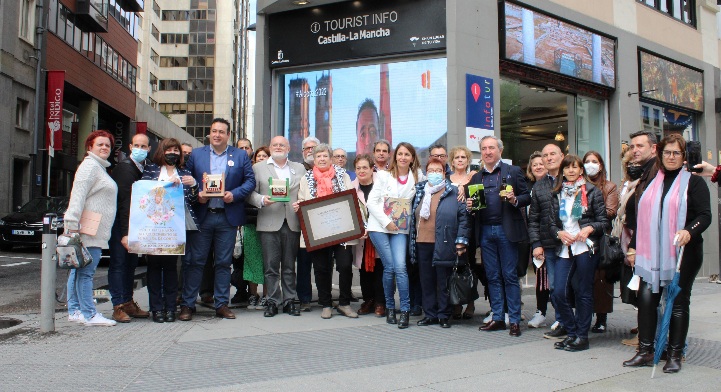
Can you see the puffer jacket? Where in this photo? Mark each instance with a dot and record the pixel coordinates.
(541, 215)
(595, 216)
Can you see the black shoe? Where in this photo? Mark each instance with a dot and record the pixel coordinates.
(579, 344)
(170, 316)
(558, 333)
(403, 321)
(444, 323)
(427, 321)
(643, 357)
(158, 317)
(673, 363)
(270, 310)
(599, 328)
(239, 298)
(563, 343)
(292, 308)
(416, 311)
(391, 316)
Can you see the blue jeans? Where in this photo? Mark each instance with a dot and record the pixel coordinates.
(80, 286)
(500, 257)
(302, 284)
(392, 249)
(216, 230)
(583, 266)
(551, 259)
(121, 270)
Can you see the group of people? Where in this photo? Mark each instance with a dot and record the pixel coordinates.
(560, 208)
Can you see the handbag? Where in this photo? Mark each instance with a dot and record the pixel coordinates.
(460, 285)
(611, 257)
(70, 252)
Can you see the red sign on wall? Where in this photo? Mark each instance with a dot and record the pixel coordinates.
(141, 127)
(54, 111)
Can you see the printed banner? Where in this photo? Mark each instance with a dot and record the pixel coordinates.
(54, 111)
(480, 119)
(157, 219)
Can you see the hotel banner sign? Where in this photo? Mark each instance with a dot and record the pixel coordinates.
(54, 112)
(351, 30)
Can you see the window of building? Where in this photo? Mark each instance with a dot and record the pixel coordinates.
(27, 20)
(170, 38)
(21, 113)
(155, 33)
(175, 15)
(683, 10)
(173, 61)
(153, 82)
(156, 8)
(154, 56)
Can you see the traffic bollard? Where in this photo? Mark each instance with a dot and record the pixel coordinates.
(47, 274)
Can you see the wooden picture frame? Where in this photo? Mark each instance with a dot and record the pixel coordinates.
(331, 220)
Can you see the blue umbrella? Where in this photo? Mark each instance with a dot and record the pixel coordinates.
(672, 291)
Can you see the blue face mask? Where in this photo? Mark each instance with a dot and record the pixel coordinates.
(435, 178)
(138, 154)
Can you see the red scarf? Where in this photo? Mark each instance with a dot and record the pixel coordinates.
(324, 181)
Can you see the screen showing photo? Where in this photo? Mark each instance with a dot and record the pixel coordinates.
(665, 81)
(351, 108)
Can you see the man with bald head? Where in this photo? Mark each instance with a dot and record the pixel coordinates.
(541, 217)
(121, 270)
(278, 227)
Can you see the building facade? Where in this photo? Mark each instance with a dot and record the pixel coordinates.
(189, 61)
(581, 74)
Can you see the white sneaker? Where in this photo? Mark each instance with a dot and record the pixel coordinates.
(99, 321)
(76, 317)
(488, 318)
(554, 326)
(538, 320)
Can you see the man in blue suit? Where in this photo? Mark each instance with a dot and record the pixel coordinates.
(499, 227)
(219, 217)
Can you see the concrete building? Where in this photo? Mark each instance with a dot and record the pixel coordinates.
(582, 74)
(189, 61)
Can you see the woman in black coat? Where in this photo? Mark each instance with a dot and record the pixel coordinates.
(580, 224)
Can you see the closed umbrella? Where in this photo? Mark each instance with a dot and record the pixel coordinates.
(672, 291)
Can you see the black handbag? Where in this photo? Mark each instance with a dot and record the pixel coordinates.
(460, 285)
(611, 252)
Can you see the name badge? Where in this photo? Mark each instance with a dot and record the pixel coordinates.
(231, 163)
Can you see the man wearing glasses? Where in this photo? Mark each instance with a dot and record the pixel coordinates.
(438, 151)
(340, 158)
(308, 144)
(303, 285)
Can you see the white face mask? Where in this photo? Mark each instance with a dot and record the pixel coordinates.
(592, 168)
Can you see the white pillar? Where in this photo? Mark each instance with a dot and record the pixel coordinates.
(529, 37)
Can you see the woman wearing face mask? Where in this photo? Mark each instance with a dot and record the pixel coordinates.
(162, 272)
(602, 290)
(580, 223)
(438, 235)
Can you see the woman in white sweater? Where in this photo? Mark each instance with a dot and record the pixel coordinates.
(93, 191)
(390, 242)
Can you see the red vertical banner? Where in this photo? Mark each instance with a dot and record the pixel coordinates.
(141, 127)
(54, 111)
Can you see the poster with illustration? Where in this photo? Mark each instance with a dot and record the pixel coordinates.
(157, 219)
(399, 210)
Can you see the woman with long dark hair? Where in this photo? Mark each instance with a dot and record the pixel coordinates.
(673, 211)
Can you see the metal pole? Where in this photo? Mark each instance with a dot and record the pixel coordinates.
(39, 30)
(47, 274)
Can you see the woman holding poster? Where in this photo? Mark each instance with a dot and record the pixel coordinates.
(398, 184)
(162, 272)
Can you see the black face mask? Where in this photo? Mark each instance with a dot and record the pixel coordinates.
(172, 158)
(635, 172)
(186, 157)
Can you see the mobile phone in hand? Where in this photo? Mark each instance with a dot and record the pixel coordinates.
(693, 156)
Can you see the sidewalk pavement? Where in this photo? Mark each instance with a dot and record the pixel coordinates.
(307, 353)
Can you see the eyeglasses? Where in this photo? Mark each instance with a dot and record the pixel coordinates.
(668, 153)
(439, 171)
(308, 148)
(439, 156)
(339, 156)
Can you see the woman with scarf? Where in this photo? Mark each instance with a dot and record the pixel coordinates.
(322, 180)
(536, 171)
(673, 211)
(595, 169)
(369, 265)
(580, 223)
(439, 236)
(162, 269)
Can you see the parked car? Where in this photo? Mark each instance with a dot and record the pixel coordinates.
(25, 226)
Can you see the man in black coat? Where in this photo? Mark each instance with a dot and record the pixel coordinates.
(499, 229)
(121, 271)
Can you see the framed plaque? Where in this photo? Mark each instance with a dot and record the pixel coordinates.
(213, 185)
(478, 195)
(278, 189)
(331, 220)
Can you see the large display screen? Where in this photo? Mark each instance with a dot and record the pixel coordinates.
(352, 107)
(666, 81)
(540, 40)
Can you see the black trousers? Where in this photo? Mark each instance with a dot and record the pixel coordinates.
(648, 303)
(372, 283)
(323, 269)
(162, 279)
(434, 281)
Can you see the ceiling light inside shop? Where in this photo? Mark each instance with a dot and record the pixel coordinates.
(301, 2)
(559, 136)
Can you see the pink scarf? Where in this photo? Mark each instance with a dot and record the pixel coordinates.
(324, 181)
